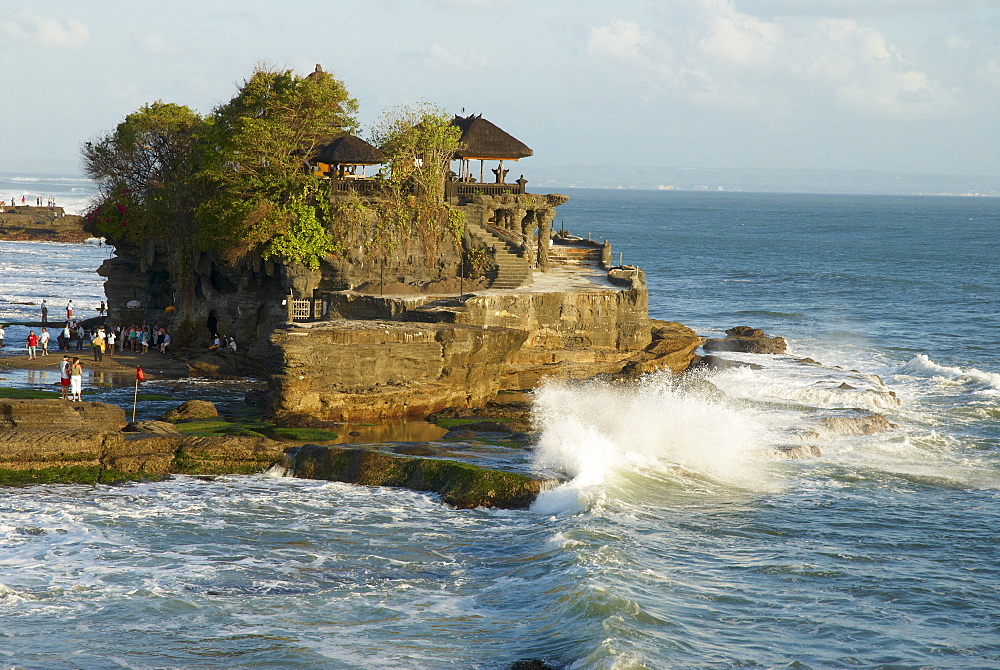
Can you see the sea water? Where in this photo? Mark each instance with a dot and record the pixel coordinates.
(677, 539)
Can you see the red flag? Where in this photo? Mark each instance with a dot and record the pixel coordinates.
(139, 376)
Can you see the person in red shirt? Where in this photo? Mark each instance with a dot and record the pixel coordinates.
(32, 343)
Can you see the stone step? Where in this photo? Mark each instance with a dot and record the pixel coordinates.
(512, 270)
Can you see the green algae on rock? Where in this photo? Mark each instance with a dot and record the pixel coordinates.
(461, 485)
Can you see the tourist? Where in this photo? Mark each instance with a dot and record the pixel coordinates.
(3, 336)
(64, 337)
(165, 342)
(111, 339)
(43, 341)
(64, 376)
(143, 340)
(102, 309)
(69, 311)
(45, 313)
(97, 345)
(76, 379)
(32, 343)
(80, 334)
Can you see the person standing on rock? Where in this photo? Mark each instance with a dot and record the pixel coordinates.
(65, 337)
(76, 379)
(32, 343)
(3, 336)
(80, 334)
(69, 311)
(43, 341)
(45, 313)
(97, 344)
(64, 376)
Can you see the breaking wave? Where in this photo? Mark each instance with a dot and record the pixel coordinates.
(922, 366)
(595, 433)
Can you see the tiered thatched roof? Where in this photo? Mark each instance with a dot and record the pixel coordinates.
(483, 140)
(349, 150)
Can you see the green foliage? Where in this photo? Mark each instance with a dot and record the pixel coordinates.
(419, 143)
(143, 171)
(27, 394)
(303, 434)
(476, 261)
(234, 182)
(258, 196)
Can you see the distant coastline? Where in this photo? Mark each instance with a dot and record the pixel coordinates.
(846, 182)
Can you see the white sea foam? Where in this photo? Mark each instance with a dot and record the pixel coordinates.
(922, 366)
(595, 432)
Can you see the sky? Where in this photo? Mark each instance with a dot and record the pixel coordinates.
(897, 85)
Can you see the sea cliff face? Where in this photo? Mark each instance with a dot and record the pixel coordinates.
(425, 355)
(351, 370)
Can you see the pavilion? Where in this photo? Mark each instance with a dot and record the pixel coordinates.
(341, 158)
(484, 141)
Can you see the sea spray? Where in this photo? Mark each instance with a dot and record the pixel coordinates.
(921, 366)
(596, 433)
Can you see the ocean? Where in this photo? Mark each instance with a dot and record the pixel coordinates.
(677, 539)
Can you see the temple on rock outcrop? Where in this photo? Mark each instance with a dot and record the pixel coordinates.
(390, 323)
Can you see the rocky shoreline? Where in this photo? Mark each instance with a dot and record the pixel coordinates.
(53, 441)
(41, 224)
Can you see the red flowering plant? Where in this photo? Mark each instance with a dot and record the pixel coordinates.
(111, 216)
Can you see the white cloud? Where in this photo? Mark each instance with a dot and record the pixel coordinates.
(155, 45)
(619, 39)
(472, 5)
(722, 57)
(29, 27)
(440, 56)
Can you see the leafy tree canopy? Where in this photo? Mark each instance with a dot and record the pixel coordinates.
(234, 181)
(143, 170)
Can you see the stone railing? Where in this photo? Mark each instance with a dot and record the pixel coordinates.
(463, 189)
(519, 240)
(361, 186)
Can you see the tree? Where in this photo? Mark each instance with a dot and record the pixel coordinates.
(258, 197)
(143, 170)
(420, 143)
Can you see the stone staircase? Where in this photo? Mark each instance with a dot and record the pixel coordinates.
(513, 270)
(573, 255)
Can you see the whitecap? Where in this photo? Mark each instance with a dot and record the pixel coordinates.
(922, 366)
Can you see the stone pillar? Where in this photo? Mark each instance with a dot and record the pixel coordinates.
(546, 216)
(517, 219)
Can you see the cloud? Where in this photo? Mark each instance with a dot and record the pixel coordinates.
(155, 45)
(619, 39)
(28, 27)
(718, 56)
(472, 5)
(438, 56)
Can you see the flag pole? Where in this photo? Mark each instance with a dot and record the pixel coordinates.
(139, 376)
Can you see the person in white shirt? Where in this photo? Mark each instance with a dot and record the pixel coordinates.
(43, 341)
(64, 377)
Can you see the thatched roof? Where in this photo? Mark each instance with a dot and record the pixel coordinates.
(349, 150)
(482, 139)
(317, 73)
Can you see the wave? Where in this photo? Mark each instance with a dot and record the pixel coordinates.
(597, 433)
(922, 366)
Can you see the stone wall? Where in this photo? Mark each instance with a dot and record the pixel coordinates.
(355, 370)
(424, 354)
